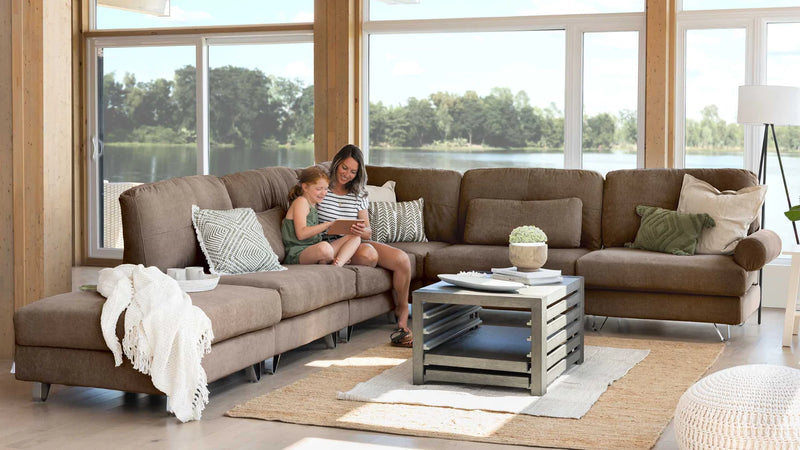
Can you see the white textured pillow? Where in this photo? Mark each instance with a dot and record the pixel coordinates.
(732, 211)
(397, 222)
(233, 241)
(383, 193)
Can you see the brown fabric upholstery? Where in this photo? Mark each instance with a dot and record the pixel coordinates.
(419, 251)
(302, 288)
(300, 330)
(626, 189)
(490, 221)
(628, 269)
(756, 250)
(270, 221)
(260, 189)
(72, 320)
(371, 280)
(538, 184)
(157, 220)
(668, 306)
(466, 257)
(439, 188)
(92, 368)
(365, 308)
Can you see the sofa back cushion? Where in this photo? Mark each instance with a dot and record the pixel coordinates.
(157, 220)
(624, 190)
(260, 189)
(489, 221)
(537, 184)
(439, 189)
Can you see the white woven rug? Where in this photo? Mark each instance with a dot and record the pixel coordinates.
(570, 396)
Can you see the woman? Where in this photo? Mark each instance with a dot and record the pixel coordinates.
(347, 199)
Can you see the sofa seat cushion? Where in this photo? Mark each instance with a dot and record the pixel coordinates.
(465, 257)
(72, 320)
(641, 270)
(420, 251)
(372, 280)
(302, 287)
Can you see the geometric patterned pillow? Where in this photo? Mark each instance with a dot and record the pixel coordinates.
(233, 241)
(667, 231)
(397, 222)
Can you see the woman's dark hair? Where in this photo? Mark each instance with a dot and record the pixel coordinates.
(358, 182)
(309, 175)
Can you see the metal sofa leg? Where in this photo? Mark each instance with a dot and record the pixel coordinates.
(345, 334)
(332, 339)
(40, 391)
(594, 324)
(254, 372)
(271, 364)
(723, 339)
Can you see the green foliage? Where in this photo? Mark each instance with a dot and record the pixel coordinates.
(527, 234)
(793, 213)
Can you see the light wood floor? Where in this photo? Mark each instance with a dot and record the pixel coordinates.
(82, 418)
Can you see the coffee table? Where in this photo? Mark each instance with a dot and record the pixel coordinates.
(453, 344)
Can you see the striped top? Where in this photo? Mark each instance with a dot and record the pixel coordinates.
(335, 206)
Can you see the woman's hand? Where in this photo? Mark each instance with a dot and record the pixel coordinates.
(357, 229)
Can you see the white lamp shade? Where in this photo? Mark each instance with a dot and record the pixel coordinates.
(777, 105)
(154, 7)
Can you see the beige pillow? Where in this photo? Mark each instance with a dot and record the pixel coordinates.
(489, 221)
(383, 193)
(732, 211)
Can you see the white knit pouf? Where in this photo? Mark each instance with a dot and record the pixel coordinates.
(753, 406)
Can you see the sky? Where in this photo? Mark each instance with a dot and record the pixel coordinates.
(416, 65)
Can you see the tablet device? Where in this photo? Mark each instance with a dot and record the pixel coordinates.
(342, 226)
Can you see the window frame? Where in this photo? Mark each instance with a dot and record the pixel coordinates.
(161, 37)
(574, 26)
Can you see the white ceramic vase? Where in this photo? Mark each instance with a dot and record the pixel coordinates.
(528, 256)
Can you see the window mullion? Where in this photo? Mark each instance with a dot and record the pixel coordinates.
(573, 98)
(201, 71)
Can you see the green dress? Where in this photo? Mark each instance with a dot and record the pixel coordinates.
(293, 245)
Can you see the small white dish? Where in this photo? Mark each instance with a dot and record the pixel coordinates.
(207, 283)
(481, 284)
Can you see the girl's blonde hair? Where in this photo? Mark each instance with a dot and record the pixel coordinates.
(309, 175)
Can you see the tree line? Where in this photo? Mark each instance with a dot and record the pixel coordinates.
(250, 109)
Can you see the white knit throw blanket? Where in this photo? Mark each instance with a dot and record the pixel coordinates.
(165, 335)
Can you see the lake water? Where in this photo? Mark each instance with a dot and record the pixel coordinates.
(153, 163)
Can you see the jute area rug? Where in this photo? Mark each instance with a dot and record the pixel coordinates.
(632, 413)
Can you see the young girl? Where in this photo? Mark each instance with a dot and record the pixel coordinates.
(301, 229)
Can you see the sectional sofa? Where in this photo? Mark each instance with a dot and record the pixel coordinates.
(256, 317)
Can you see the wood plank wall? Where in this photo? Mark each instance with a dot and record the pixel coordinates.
(6, 186)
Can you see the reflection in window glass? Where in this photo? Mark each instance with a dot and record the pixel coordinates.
(715, 68)
(194, 13)
(261, 106)
(689, 5)
(783, 65)
(450, 9)
(146, 123)
(478, 100)
(610, 96)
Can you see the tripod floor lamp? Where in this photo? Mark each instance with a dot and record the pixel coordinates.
(770, 106)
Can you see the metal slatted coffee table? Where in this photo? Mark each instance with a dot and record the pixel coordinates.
(452, 344)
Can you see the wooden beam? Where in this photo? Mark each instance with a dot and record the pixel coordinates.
(659, 80)
(41, 152)
(335, 24)
(6, 186)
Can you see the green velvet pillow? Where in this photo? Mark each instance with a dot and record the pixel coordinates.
(668, 231)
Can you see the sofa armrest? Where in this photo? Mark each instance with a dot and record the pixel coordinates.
(756, 250)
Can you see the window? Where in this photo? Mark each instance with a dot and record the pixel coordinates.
(716, 54)
(173, 104)
(500, 92)
(610, 100)
(194, 13)
(450, 9)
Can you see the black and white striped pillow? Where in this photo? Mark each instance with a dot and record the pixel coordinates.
(397, 222)
(233, 241)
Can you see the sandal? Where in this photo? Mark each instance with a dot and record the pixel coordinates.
(402, 338)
